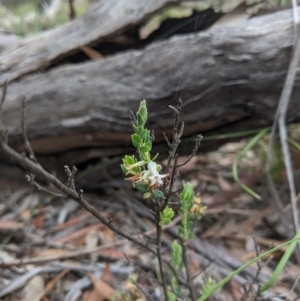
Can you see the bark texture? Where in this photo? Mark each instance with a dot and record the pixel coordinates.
(223, 76)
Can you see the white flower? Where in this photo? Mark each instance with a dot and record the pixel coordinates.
(153, 175)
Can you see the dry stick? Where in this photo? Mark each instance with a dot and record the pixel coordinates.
(43, 189)
(177, 115)
(281, 118)
(160, 208)
(198, 140)
(39, 171)
(256, 278)
(282, 110)
(61, 256)
(173, 156)
(159, 255)
(80, 252)
(168, 194)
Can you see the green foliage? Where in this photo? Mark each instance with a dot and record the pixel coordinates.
(208, 285)
(144, 173)
(141, 186)
(141, 138)
(166, 216)
(186, 196)
(186, 201)
(176, 255)
(293, 244)
(131, 165)
(249, 145)
(25, 19)
(157, 194)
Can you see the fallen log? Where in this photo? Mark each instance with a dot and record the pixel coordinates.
(103, 21)
(224, 76)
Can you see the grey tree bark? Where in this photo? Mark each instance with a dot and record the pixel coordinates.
(224, 76)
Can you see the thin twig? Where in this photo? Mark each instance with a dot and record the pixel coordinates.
(181, 130)
(280, 118)
(71, 176)
(168, 194)
(177, 190)
(282, 110)
(256, 278)
(198, 140)
(177, 115)
(158, 252)
(43, 174)
(43, 189)
(167, 140)
(80, 252)
(133, 117)
(69, 255)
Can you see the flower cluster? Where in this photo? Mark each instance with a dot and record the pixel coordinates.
(144, 173)
(198, 209)
(147, 180)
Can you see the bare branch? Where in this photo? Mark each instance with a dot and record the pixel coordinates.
(280, 119)
(43, 174)
(198, 140)
(167, 140)
(43, 189)
(177, 116)
(71, 175)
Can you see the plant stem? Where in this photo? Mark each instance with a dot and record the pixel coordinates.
(159, 257)
(188, 275)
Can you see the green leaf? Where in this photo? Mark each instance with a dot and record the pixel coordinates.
(157, 194)
(136, 140)
(123, 168)
(140, 120)
(176, 254)
(180, 230)
(129, 160)
(164, 222)
(147, 195)
(146, 135)
(149, 144)
(143, 157)
(166, 216)
(141, 186)
(187, 194)
(141, 131)
(143, 112)
(155, 157)
(293, 243)
(145, 149)
(136, 129)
